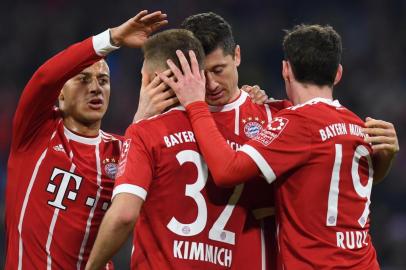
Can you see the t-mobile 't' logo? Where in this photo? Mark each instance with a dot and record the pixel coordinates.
(63, 187)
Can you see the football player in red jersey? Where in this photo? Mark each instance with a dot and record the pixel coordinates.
(62, 166)
(236, 114)
(245, 121)
(316, 149)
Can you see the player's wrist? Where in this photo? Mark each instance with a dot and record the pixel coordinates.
(196, 105)
(102, 45)
(115, 39)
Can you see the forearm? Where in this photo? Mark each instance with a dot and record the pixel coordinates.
(382, 165)
(227, 167)
(111, 236)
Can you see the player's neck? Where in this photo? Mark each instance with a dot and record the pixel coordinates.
(236, 95)
(305, 92)
(87, 130)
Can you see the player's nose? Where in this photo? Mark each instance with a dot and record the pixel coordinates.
(211, 84)
(95, 87)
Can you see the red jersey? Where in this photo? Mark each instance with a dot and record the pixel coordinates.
(256, 248)
(176, 183)
(317, 152)
(59, 183)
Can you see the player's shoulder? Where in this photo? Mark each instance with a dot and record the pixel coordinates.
(278, 104)
(316, 104)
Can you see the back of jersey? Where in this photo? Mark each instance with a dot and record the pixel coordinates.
(324, 173)
(186, 222)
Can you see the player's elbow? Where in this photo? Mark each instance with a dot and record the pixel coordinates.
(43, 78)
(224, 179)
(125, 210)
(125, 218)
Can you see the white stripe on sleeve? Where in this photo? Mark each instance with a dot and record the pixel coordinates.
(102, 45)
(260, 161)
(128, 188)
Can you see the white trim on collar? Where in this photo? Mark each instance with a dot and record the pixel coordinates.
(230, 106)
(85, 140)
(334, 103)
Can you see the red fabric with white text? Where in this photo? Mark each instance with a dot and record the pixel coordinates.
(148, 146)
(300, 149)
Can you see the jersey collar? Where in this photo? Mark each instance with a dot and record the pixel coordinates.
(334, 103)
(85, 140)
(230, 106)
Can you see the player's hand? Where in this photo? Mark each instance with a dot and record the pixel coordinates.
(257, 95)
(134, 32)
(155, 97)
(382, 136)
(190, 83)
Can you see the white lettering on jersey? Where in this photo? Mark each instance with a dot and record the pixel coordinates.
(235, 146)
(186, 250)
(178, 138)
(338, 129)
(356, 130)
(63, 191)
(333, 130)
(352, 239)
(272, 131)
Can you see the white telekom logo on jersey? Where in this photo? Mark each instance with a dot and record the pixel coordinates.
(272, 131)
(123, 157)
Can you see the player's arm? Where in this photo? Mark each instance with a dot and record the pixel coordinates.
(235, 167)
(116, 226)
(133, 178)
(385, 145)
(41, 92)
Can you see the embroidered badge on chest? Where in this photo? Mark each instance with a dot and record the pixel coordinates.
(110, 167)
(252, 126)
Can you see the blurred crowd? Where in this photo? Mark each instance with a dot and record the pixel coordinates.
(373, 84)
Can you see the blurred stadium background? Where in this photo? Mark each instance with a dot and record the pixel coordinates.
(374, 81)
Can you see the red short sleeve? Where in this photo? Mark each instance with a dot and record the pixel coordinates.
(135, 166)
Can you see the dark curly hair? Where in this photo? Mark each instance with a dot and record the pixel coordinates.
(314, 52)
(212, 31)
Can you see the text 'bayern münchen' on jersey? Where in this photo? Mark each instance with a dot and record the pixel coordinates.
(317, 154)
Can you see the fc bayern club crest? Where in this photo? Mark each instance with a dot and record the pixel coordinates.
(110, 167)
(252, 126)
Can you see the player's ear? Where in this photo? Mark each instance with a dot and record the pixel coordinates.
(61, 97)
(237, 55)
(145, 75)
(285, 70)
(339, 74)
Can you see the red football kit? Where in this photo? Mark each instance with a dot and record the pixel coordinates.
(186, 222)
(324, 173)
(256, 248)
(59, 183)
